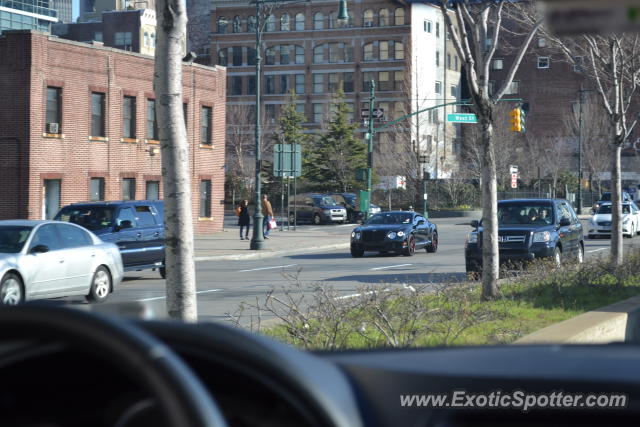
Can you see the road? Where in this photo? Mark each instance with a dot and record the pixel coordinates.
(223, 286)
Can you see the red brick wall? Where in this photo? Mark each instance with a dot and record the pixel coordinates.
(80, 69)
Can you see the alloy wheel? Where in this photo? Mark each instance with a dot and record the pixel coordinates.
(11, 290)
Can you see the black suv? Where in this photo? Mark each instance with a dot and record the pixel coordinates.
(530, 229)
(136, 226)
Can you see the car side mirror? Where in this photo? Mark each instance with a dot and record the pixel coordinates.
(39, 249)
(124, 224)
(421, 222)
(565, 222)
(474, 223)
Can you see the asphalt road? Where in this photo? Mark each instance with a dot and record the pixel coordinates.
(223, 286)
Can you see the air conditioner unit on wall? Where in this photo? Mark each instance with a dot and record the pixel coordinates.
(53, 128)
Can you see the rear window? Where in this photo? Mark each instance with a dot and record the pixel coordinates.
(90, 217)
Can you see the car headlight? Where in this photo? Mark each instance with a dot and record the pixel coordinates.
(541, 237)
(355, 235)
(473, 237)
(400, 233)
(392, 235)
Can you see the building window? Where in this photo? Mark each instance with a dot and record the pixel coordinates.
(368, 52)
(453, 91)
(513, 88)
(153, 190)
(300, 110)
(543, 62)
(128, 188)
(185, 114)
(129, 117)
(384, 50)
(348, 53)
(427, 26)
(269, 85)
(251, 24)
(284, 83)
(542, 42)
(318, 54)
(383, 80)
(97, 114)
(237, 56)
(332, 19)
(205, 198)
(334, 82)
(54, 110)
(299, 55)
(399, 16)
(147, 42)
(398, 80)
(237, 24)
(251, 56)
(205, 125)
(317, 113)
(152, 123)
(270, 113)
(383, 17)
(491, 85)
(437, 58)
(236, 85)
(437, 29)
(367, 18)
(318, 83)
(497, 64)
(270, 56)
(438, 87)
(449, 61)
(123, 40)
(222, 57)
(348, 82)
(97, 36)
(271, 23)
(367, 78)
(577, 64)
(300, 84)
(399, 50)
(300, 22)
(398, 110)
(318, 21)
(222, 25)
(284, 54)
(96, 189)
(285, 23)
(335, 52)
(251, 85)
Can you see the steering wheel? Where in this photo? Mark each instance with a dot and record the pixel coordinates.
(180, 396)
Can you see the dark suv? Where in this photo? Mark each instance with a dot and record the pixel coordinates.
(530, 229)
(136, 226)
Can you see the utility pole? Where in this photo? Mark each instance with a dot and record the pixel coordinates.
(257, 240)
(372, 98)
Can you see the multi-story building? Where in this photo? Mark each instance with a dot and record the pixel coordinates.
(132, 30)
(27, 15)
(401, 46)
(91, 10)
(79, 123)
(64, 9)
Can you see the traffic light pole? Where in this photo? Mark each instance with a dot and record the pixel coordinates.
(372, 98)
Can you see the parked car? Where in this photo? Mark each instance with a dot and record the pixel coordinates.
(135, 226)
(351, 202)
(396, 231)
(47, 259)
(530, 229)
(600, 223)
(317, 209)
(606, 197)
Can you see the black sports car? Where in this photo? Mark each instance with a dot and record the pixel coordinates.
(398, 231)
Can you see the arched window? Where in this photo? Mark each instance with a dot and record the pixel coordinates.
(222, 25)
(222, 57)
(318, 21)
(146, 39)
(152, 39)
(383, 17)
(285, 54)
(399, 16)
(237, 24)
(300, 22)
(271, 23)
(368, 52)
(318, 54)
(367, 18)
(332, 19)
(399, 49)
(251, 24)
(284, 22)
(299, 55)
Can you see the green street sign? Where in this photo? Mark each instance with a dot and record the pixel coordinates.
(462, 118)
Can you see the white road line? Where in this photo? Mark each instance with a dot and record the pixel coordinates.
(390, 266)
(164, 297)
(597, 250)
(267, 268)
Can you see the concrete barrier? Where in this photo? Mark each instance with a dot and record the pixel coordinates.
(453, 214)
(614, 323)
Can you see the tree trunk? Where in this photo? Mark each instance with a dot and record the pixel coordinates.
(616, 206)
(490, 253)
(180, 268)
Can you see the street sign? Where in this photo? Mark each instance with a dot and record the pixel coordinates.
(592, 16)
(514, 176)
(425, 196)
(462, 118)
(423, 158)
(378, 113)
(287, 160)
(513, 169)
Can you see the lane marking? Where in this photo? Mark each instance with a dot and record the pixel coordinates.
(267, 268)
(164, 297)
(390, 266)
(597, 250)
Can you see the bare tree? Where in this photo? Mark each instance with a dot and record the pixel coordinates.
(240, 145)
(549, 154)
(179, 262)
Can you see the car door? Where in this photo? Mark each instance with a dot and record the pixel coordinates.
(420, 230)
(568, 236)
(78, 252)
(44, 271)
(127, 237)
(152, 238)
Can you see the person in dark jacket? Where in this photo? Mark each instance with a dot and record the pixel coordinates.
(244, 220)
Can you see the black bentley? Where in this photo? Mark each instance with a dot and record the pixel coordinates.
(400, 232)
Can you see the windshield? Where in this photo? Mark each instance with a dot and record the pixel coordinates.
(326, 201)
(606, 197)
(525, 213)
(90, 217)
(606, 209)
(12, 238)
(390, 218)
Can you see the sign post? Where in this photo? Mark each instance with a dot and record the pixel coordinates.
(287, 163)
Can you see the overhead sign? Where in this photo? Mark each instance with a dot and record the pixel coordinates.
(565, 17)
(462, 118)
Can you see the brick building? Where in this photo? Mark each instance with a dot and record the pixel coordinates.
(79, 124)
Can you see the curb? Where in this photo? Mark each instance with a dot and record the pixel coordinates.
(271, 254)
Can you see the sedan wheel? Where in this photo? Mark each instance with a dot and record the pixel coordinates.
(100, 285)
(411, 247)
(433, 246)
(11, 290)
(317, 220)
(580, 257)
(357, 253)
(292, 219)
(557, 257)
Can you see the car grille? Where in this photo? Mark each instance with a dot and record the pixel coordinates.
(373, 235)
(512, 239)
(604, 223)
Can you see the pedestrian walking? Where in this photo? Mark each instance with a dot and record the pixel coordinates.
(244, 220)
(267, 211)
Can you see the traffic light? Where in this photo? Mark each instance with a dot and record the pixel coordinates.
(516, 118)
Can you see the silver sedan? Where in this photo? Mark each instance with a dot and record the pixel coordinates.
(48, 259)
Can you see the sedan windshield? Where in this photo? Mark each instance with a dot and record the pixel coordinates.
(89, 217)
(525, 213)
(606, 209)
(327, 201)
(12, 238)
(389, 218)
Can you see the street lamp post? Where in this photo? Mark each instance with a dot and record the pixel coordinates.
(372, 99)
(581, 91)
